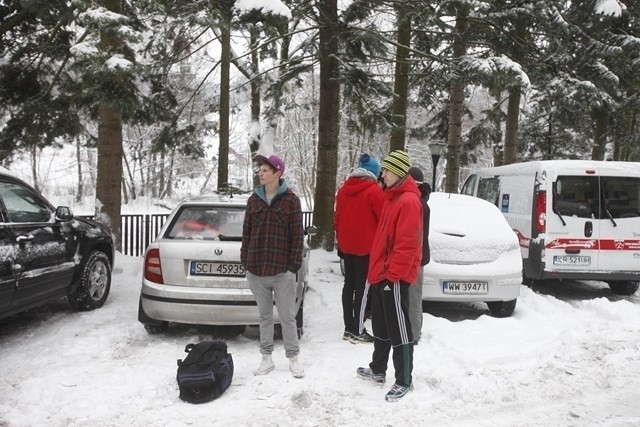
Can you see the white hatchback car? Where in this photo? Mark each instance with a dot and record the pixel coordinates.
(192, 270)
(475, 255)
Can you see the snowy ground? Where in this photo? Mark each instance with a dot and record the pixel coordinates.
(566, 358)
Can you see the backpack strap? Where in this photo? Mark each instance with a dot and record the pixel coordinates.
(202, 348)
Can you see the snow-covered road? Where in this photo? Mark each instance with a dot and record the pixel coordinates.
(567, 357)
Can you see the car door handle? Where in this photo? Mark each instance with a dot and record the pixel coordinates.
(23, 239)
(588, 229)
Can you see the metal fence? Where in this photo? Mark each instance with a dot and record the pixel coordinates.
(138, 230)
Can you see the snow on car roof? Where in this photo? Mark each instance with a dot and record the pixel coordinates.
(6, 171)
(481, 223)
(240, 199)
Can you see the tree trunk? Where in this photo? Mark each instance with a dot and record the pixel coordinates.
(110, 149)
(456, 103)
(515, 94)
(511, 127)
(132, 191)
(34, 167)
(600, 135)
(225, 66)
(255, 136)
(329, 126)
(80, 190)
(108, 194)
(401, 82)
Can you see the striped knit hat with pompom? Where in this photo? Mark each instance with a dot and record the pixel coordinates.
(397, 162)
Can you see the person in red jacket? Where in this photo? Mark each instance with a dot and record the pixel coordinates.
(393, 266)
(358, 206)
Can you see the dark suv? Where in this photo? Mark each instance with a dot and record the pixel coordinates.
(47, 253)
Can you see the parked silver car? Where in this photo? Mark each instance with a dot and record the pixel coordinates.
(192, 271)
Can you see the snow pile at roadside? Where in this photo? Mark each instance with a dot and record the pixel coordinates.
(555, 362)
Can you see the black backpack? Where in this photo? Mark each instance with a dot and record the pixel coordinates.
(206, 372)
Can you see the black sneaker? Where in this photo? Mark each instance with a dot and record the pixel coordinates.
(369, 375)
(347, 335)
(397, 392)
(363, 338)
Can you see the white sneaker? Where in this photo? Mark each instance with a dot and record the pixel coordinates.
(266, 365)
(295, 367)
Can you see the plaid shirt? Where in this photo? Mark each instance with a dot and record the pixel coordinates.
(272, 234)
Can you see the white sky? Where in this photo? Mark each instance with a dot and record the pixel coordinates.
(555, 362)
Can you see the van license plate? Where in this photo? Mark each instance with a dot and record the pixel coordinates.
(571, 260)
(201, 268)
(465, 288)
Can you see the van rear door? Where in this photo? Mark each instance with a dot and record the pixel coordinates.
(572, 222)
(619, 223)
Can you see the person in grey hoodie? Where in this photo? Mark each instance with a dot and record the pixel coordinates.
(415, 291)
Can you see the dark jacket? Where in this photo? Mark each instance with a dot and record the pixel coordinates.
(425, 192)
(272, 234)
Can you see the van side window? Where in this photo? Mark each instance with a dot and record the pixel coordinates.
(621, 196)
(577, 196)
(469, 185)
(489, 189)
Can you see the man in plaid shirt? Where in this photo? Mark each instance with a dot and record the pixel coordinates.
(272, 245)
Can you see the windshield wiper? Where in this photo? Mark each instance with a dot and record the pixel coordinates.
(610, 216)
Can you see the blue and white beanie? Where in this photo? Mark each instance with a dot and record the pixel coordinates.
(369, 163)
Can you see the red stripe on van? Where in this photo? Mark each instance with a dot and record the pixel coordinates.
(604, 244)
(620, 245)
(522, 239)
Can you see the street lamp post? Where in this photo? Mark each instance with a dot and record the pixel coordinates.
(436, 149)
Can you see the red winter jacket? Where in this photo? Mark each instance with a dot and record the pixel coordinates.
(358, 206)
(397, 246)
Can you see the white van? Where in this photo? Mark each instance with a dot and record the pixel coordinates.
(575, 219)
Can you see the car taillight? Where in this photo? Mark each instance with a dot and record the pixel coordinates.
(152, 267)
(541, 211)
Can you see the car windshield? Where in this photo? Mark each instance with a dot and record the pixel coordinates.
(207, 223)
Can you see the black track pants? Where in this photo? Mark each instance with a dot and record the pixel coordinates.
(355, 277)
(392, 328)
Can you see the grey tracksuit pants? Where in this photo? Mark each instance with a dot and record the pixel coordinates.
(415, 306)
(282, 289)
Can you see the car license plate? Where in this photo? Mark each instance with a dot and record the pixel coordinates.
(465, 288)
(571, 260)
(203, 268)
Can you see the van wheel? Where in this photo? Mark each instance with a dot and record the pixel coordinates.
(300, 320)
(623, 287)
(501, 308)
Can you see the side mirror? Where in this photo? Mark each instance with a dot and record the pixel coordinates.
(64, 213)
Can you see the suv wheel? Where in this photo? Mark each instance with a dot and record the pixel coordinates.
(501, 308)
(93, 283)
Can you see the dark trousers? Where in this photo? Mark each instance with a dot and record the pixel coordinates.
(355, 277)
(392, 329)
